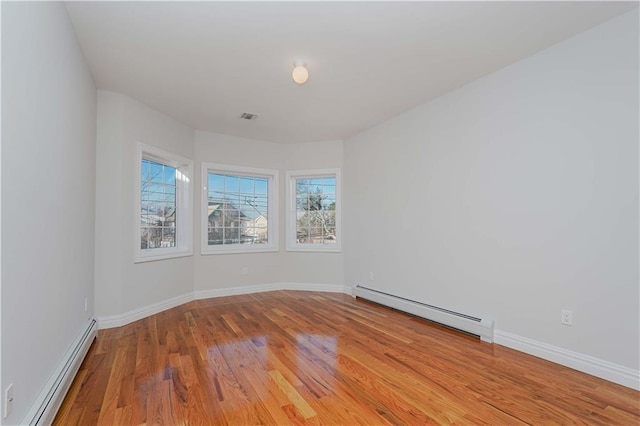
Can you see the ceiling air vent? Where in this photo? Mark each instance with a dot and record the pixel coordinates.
(249, 116)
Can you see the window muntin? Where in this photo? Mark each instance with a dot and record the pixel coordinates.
(164, 205)
(241, 209)
(313, 213)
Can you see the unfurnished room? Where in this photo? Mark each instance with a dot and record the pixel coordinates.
(317, 212)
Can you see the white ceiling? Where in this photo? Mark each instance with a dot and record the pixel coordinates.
(204, 63)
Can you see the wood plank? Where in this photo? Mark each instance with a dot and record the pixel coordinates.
(294, 397)
(116, 378)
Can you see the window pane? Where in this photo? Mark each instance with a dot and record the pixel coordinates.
(315, 210)
(168, 214)
(302, 187)
(151, 237)
(170, 198)
(144, 239)
(216, 182)
(231, 184)
(227, 220)
(145, 195)
(216, 195)
(145, 170)
(169, 175)
(329, 190)
(152, 191)
(302, 235)
(168, 237)
(246, 185)
(158, 205)
(155, 172)
(261, 205)
(302, 202)
(262, 186)
(238, 209)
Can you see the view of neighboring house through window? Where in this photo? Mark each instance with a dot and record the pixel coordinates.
(314, 210)
(238, 210)
(158, 205)
(240, 205)
(164, 209)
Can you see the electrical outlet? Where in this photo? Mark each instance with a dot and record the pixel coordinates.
(566, 317)
(8, 401)
(244, 270)
(371, 276)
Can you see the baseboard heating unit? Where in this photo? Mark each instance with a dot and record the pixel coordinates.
(482, 327)
(46, 406)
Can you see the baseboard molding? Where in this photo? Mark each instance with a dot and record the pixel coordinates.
(587, 364)
(45, 407)
(111, 321)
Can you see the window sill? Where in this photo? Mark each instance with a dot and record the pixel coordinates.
(316, 249)
(208, 252)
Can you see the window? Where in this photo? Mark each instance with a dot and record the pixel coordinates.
(164, 205)
(313, 210)
(239, 212)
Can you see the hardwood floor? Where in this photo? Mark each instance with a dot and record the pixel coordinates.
(292, 357)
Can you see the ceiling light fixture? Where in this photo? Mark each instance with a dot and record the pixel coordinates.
(300, 74)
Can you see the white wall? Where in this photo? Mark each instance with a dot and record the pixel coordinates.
(214, 272)
(122, 286)
(223, 270)
(48, 193)
(514, 197)
(320, 268)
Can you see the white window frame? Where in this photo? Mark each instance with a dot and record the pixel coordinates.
(292, 176)
(184, 204)
(272, 206)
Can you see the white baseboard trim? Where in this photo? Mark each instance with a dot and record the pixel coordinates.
(587, 364)
(45, 407)
(119, 320)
